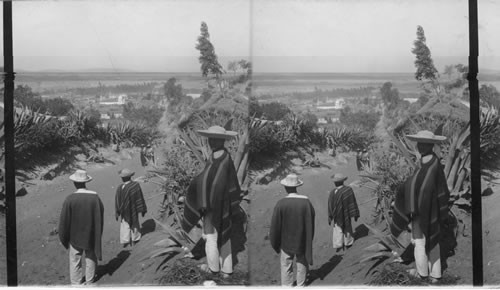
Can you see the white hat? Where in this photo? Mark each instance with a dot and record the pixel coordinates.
(217, 132)
(80, 176)
(337, 177)
(292, 180)
(125, 173)
(426, 137)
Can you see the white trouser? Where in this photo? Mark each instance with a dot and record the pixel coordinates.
(75, 265)
(287, 278)
(128, 234)
(217, 259)
(341, 239)
(427, 262)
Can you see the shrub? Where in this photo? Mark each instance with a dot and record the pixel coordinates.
(349, 138)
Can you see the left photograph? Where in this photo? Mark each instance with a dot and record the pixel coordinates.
(131, 142)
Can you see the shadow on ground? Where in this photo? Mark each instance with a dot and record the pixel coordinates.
(113, 265)
(148, 226)
(324, 270)
(360, 232)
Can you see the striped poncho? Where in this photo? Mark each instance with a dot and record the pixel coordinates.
(216, 190)
(424, 198)
(129, 202)
(342, 206)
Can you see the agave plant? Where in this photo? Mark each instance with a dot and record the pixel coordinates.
(387, 246)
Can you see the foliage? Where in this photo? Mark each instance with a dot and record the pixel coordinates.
(365, 120)
(36, 133)
(173, 92)
(149, 115)
(457, 78)
(254, 109)
(208, 59)
(24, 96)
(390, 95)
(177, 170)
(274, 111)
(321, 93)
(490, 139)
(348, 138)
(489, 96)
(423, 62)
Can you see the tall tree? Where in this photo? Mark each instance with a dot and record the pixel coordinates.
(208, 59)
(390, 95)
(233, 66)
(173, 91)
(423, 62)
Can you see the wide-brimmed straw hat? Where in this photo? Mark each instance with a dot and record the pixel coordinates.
(217, 132)
(291, 180)
(80, 176)
(125, 173)
(338, 177)
(426, 137)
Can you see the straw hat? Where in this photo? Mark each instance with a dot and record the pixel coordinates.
(80, 176)
(125, 173)
(217, 132)
(426, 137)
(337, 177)
(292, 180)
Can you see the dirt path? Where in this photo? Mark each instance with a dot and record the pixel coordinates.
(42, 259)
(330, 267)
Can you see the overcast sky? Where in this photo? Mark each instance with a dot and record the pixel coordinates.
(280, 35)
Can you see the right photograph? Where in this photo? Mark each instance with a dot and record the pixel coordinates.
(360, 143)
(489, 97)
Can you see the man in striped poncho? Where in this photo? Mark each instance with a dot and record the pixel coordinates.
(422, 203)
(129, 202)
(213, 197)
(342, 207)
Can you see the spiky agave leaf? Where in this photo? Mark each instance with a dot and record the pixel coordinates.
(165, 243)
(162, 252)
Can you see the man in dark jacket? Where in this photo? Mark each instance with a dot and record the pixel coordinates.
(292, 232)
(129, 202)
(80, 229)
(422, 203)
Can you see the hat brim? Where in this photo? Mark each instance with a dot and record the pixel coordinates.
(420, 139)
(225, 136)
(284, 183)
(127, 175)
(339, 179)
(74, 179)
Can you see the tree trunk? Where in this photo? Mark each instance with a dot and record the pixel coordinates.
(454, 170)
(460, 180)
(452, 153)
(242, 146)
(242, 170)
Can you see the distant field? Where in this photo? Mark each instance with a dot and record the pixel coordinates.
(264, 83)
(275, 83)
(61, 81)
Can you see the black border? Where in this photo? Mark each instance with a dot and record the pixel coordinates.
(9, 75)
(10, 191)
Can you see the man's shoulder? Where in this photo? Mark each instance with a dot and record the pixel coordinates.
(88, 195)
(293, 201)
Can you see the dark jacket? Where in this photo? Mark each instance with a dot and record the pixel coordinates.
(292, 226)
(81, 222)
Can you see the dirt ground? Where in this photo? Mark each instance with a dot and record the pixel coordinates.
(42, 260)
(330, 267)
(491, 235)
